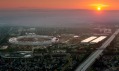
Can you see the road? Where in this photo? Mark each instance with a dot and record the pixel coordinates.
(87, 63)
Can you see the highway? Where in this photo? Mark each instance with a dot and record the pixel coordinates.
(88, 62)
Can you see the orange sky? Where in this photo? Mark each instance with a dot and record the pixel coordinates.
(57, 4)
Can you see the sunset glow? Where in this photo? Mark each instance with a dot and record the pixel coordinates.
(59, 4)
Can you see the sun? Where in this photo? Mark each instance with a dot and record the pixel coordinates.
(98, 8)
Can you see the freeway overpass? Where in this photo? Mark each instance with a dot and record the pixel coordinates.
(88, 62)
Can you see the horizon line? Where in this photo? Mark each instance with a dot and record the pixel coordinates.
(51, 9)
